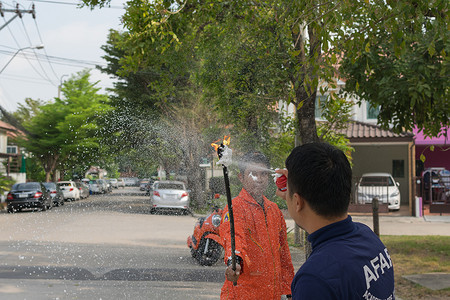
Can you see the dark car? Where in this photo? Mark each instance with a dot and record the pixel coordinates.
(55, 192)
(28, 195)
(142, 184)
(149, 187)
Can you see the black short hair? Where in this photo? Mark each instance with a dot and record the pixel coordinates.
(252, 157)
(321, 174)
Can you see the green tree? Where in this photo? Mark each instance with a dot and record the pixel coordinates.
(27, 110)
(63, 133)
(82, 106)
(394, 53)
(158, 113)
(398, 61)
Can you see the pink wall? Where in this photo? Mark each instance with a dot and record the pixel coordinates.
(420, 139)
(440, 157)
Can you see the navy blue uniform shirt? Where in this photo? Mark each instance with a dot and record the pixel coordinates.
(348, 261)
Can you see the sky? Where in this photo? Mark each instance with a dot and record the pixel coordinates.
(71, 37)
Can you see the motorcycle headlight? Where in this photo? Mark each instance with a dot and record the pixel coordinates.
(216, 220)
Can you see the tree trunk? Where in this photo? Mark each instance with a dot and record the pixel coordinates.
(307, 130)
(305, 101)
(47, 176)
(193, 169)
(49, 164)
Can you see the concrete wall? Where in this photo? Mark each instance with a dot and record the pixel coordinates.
(379, 158)
(3, 141)
(19, 177)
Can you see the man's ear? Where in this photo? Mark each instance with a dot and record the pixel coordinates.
(299, 202)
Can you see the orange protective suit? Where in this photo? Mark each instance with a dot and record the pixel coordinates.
(261, 242)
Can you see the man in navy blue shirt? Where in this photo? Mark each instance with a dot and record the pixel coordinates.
(348, 261)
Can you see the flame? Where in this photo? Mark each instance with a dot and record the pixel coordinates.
(216, 144)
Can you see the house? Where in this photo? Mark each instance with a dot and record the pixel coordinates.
(376, 149)
(95, 172)
(13, 161)
(379, 150)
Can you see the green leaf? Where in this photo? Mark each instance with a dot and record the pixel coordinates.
(367, 48)
(422, 158)
(295, 53)
(432, 148)
(431, 49)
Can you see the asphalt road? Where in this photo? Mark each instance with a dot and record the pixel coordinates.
(111, 247)
(103, 247)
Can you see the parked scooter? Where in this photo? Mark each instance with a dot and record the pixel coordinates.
(205, 243)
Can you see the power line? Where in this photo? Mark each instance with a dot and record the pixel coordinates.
(74, 4)
(6, 76)
(45, 51)
(62, 60)
(19, 46)
(39, 62)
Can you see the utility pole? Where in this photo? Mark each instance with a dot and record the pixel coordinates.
(60, 85)
(18, 13)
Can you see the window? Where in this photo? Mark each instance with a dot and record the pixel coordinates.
(11, 149)
(320, 102)
(376, 181)
(398, 168)
(372, 112)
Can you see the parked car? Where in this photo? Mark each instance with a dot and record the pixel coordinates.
(120, 183)
(55, 192)
(28, 195)
(70, 190)
(96, 187)
(84, 189)
(104, 185)
(381, 185)
(131, 181)
(169, 195)
(114, 183)
(108, 185)
(142, 184)
(149, 187)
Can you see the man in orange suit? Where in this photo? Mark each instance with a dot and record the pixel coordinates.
(264, 268)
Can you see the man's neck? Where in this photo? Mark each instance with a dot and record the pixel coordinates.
(320, 222)
(258, 198)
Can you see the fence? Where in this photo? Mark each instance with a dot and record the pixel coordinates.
(434, 189)
(365, 189)
(11, 163)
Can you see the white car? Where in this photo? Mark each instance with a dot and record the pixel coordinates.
(96, 187)
(120, 183)
(381, 185)
(70, 190)
(114, 183)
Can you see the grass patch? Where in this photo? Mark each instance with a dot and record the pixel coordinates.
(418, 255)
(414, 255)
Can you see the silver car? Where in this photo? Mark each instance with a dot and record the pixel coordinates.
(84, 189)
(169, 195)
(96, 187)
